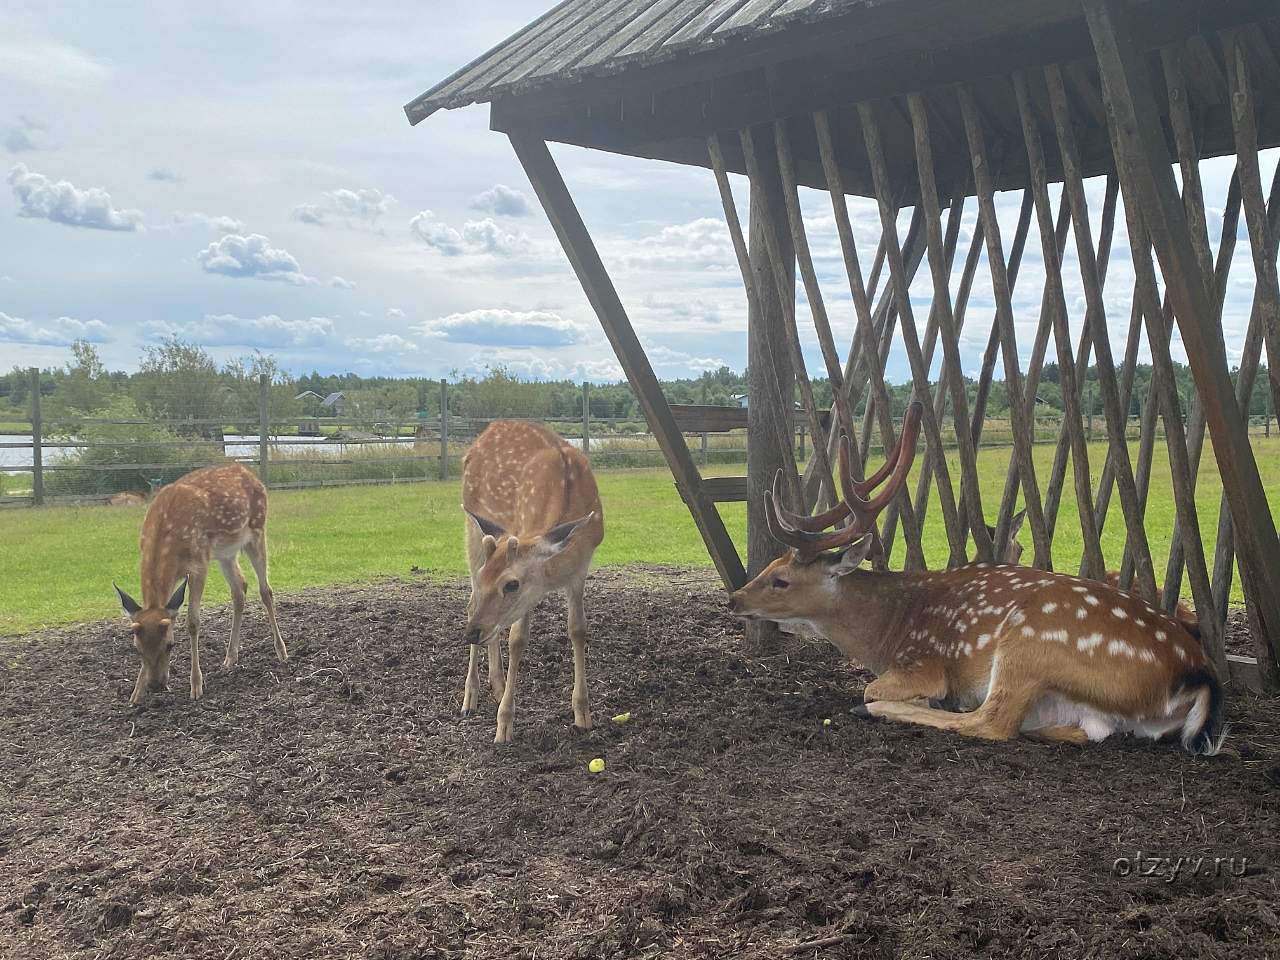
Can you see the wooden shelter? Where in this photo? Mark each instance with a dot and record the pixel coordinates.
(933, 105)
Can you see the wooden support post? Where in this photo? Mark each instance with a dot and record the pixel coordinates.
(1143, 149)
(982, 178)
(1097, 323)
(586, 419)
(37, 441)
(444, 429)
(264, 426)
(760, 157)
(766, 370)
(578, 246)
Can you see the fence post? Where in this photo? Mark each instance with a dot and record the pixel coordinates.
(444, 429)
(800, 459)
(586, 418)
(1266, 399)
(704, 449)
(264, 424)
(37, 441)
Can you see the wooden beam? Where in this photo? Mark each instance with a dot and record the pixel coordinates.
(1131, 101)
(540, 167)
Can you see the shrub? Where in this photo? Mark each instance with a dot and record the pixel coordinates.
(128, 454)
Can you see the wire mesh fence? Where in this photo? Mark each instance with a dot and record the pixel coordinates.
(48, 455)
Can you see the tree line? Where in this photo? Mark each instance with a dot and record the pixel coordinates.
(178, 380)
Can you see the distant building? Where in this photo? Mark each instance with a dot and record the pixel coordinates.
(335, 404)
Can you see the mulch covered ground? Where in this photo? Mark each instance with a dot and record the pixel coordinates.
(336, 806)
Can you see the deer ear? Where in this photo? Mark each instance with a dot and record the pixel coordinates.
(175, 602)
(487, 526)
(1015, 525)
(130, 605)
(852, 556)
(557, 538)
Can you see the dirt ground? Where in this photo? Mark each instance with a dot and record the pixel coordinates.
(336, 806)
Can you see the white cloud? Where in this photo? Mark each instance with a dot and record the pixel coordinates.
(395, 313)
(499, 327)
(164, 175)
(342, 283)
(355, 208)
(697, 245)
(222, 224)
(502, 201)
(252, 256)
(54, 333)
(26, 135)
(61, 202)
(48, 64)
(666, 357)
(265, 332)
(476, 238)
(383, 343)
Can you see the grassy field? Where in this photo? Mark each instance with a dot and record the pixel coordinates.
(57, 563)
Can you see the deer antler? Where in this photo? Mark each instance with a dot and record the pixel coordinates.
(807, 538)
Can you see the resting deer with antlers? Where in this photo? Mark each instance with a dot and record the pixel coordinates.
(1048, 654)
(533, 522)
(1184, 613)
(212, 513)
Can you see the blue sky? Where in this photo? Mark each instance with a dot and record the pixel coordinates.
(242, 176)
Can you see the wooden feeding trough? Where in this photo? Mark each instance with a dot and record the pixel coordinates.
(935, 105)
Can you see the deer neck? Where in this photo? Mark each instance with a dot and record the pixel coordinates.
(869, 618)
(161, 568)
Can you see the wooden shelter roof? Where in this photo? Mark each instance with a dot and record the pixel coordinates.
(654, 78)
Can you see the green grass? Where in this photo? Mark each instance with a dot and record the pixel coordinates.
(58, 563)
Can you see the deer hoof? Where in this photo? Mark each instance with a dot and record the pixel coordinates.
(467, 713)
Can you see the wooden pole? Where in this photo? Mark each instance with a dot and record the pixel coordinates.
(586, 418)
(37, 441)
(264, 425)
(547, 183)
(1131, 102)
(444, 429)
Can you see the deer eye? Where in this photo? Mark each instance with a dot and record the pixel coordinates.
(780, 584)
(511, 586)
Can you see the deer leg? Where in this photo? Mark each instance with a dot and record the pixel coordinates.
(471, 687)
(236, 581)
(497, 679)
(1060, 733)
(578, 636)
(998, 718)
(139, 688)
(257, 551)
(516, 641)
(927, 682)
(195, 591)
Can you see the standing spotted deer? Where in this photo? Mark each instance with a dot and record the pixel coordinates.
(1055, 656)
(534, 521)
(212, 513)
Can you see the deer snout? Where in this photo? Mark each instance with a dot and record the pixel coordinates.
(473, 635)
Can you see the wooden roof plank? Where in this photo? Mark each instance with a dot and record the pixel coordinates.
(579, 40)
(705, 22)
(663, 28)
(500, 58)
(625, 36)
(754, 13)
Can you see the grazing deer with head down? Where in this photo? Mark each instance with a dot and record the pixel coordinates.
(1184, 613)
(211, 513)
(1052, 655)
(534, 521)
